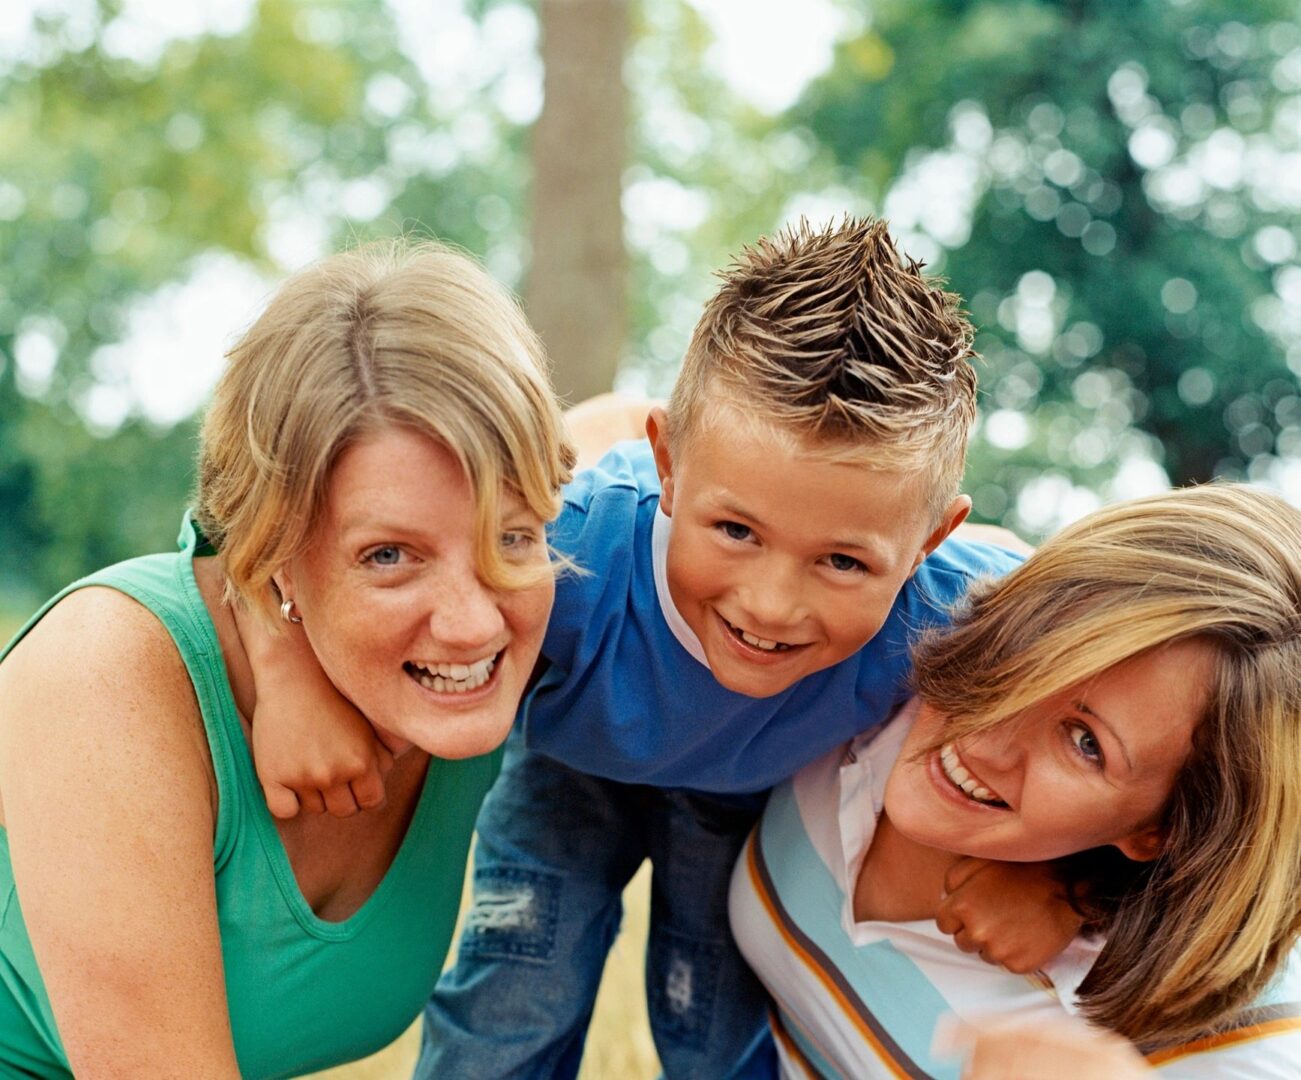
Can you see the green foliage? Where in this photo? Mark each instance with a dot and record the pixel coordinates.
(1100, 147)
(116, 173)
(1056, 160)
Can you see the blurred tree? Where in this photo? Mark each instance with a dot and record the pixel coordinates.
(119, 168)
(577, 289)
(1113, 187)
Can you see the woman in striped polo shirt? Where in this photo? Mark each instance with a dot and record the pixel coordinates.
(1128, 703)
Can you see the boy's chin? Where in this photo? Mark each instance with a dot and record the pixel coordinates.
(752, 684)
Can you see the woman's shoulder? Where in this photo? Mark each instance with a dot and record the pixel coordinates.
(98, 675)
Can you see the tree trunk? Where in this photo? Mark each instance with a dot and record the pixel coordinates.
(575, 287)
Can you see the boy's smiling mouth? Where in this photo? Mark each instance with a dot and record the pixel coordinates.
(755, 641)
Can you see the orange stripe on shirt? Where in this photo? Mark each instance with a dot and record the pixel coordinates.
(1225, 1038)
(819, 973)
(788, 1044)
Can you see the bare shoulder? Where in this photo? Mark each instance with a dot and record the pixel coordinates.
(110, 809)
(99, 678)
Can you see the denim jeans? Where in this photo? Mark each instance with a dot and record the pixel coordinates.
(555, 850)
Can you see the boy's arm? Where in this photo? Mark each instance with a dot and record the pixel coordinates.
(598, 423)
(1039, 1049)
(995, 535)
(311, 748)
(1015, 915)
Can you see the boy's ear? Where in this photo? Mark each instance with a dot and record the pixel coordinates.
(952, 517)
(657, 430)
(1143, 845)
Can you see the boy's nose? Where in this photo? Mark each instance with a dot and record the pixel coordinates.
(772, 603)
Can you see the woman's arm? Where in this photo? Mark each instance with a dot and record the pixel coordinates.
(109, 802)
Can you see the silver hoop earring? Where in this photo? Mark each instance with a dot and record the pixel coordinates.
(287, 613)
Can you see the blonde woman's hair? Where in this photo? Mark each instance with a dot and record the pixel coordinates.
(1197, 933)
(832, 336)
(394, 333)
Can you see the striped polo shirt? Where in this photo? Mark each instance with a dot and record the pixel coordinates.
(865, 999)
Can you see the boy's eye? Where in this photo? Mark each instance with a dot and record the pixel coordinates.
(384, 555)
(845, 564)
(1085, 743)
(734, 530)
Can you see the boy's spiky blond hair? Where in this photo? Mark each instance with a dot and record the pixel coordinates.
(830, 335)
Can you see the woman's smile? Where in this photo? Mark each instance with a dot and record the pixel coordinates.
(962, 778)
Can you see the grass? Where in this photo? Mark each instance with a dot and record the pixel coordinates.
(619, 1043)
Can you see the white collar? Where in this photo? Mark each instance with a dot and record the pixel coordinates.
(660, 562)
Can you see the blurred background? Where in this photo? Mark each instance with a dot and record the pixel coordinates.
(1113, 187)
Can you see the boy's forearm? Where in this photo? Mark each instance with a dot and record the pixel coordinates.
(598, 423)
(993, 534)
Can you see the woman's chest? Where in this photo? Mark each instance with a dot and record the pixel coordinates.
(338, 863)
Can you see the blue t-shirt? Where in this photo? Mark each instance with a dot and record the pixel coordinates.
(625, 698)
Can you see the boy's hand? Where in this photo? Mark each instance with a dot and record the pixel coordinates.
(1015, 915)
(1054, 1049)
(322, 758)
(311, 748)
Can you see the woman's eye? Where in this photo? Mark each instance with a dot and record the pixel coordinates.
(1086, 743)
(845, 563)
(734, 530)
(517, 540)
(385, 555)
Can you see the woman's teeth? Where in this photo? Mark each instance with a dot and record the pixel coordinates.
(453, 678)
(961, 778)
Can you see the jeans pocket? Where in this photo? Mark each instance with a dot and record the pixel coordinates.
(682, 982)
(513, 916)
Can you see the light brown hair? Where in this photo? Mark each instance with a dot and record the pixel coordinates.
(1197, 933)
(830, 335)
(393, 333)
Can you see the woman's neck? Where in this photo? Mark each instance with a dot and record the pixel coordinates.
(900, 880)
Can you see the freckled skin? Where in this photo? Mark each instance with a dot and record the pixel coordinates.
(391, 578)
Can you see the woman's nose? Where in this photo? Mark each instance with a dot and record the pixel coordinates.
(466, 615)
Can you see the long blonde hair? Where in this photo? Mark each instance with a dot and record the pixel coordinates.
(393, 333)
(1197, 933)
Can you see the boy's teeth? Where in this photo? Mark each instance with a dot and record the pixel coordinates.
(760, 643)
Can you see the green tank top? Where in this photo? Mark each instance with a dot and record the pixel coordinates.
(304, 994)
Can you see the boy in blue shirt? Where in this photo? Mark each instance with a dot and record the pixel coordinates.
(749, 582)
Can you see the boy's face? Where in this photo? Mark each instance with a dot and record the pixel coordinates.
(780, 562)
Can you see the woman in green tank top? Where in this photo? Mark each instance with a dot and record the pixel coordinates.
(377, 469)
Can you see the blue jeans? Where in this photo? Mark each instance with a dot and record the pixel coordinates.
(555, 850)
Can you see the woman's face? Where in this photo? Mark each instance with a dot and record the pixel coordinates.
(1090, 767)
(393, 606)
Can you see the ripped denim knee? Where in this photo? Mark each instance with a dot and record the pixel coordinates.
(513, 915)
(681, 982)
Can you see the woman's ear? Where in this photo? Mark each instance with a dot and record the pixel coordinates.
(283, 580)
(657, 430)
(1143, 845)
